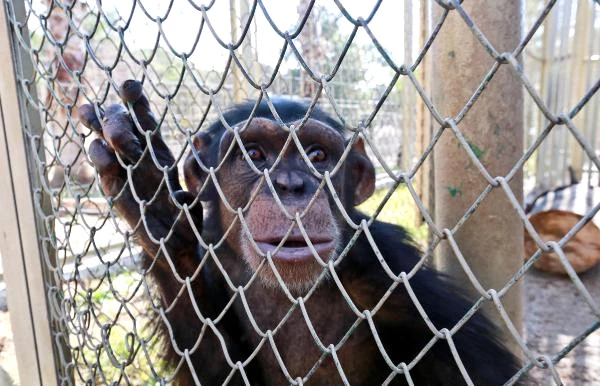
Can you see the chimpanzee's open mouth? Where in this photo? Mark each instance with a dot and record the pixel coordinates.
(292, 244)
(296, 249)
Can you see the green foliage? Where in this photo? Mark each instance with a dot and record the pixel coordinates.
(333, 42)
(119, 329)
(400, 209)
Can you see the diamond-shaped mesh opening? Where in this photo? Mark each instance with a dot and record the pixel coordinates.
(143, 292)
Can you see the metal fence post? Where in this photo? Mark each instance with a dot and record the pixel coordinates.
(491, 240)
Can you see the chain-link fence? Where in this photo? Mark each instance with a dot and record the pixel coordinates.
(107, 301)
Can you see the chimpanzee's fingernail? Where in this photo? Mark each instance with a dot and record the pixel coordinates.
(131, 90)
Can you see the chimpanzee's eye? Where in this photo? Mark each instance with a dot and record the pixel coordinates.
(255, 153)
(317, 154)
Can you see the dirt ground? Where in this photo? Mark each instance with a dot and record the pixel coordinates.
(555, 313)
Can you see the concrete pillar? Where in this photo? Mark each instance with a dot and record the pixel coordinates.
(492, 239)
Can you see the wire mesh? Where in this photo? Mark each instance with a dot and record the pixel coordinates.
(106, 312)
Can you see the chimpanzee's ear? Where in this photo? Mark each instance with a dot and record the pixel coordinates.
(362, 172)
(195, 177)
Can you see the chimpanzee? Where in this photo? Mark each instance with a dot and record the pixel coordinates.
(272, 294)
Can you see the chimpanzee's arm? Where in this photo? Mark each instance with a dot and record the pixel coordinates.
(160, 218)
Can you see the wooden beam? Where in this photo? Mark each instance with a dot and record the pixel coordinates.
(19, 243)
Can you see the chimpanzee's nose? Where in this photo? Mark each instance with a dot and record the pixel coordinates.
(287, 182)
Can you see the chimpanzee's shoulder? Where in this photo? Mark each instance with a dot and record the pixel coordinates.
(394, 243)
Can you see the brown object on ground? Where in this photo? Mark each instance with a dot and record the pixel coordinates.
(582, 251)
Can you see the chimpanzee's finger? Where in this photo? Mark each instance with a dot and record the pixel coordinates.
(132, 91)
(120, 133)
(182, 234)
(103, 158)
(185, 197)
(87, 116)
(165, 158)
(112, 176)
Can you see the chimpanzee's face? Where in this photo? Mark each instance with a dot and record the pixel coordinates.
(290, 218)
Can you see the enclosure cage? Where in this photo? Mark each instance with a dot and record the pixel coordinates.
(462, 107)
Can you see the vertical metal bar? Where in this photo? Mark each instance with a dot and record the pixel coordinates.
(19, 242)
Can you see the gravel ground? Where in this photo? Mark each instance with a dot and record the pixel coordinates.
(555, 313)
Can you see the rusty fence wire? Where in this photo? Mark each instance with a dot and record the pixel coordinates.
(102, 303)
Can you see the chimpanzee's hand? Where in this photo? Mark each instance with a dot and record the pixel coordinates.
(120, 138)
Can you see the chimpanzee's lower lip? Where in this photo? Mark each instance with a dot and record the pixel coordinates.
(297, 254)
